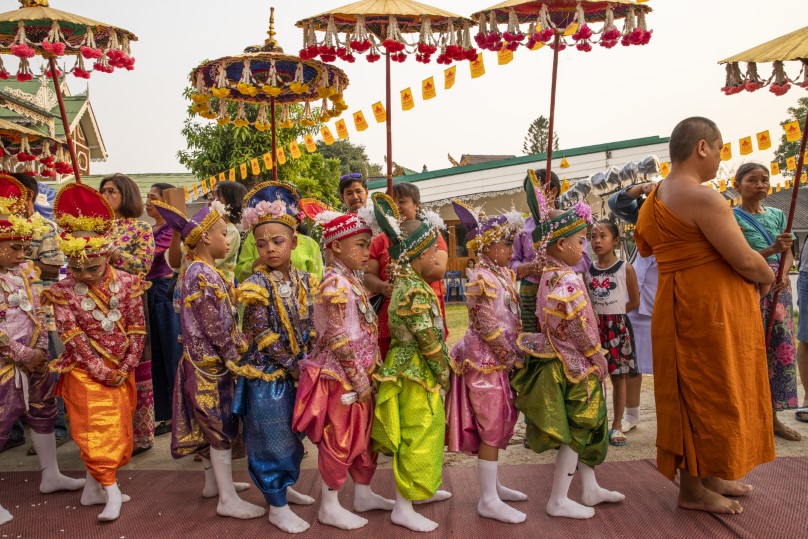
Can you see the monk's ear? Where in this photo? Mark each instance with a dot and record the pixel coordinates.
(702, 148)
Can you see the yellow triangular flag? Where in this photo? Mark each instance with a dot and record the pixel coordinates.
(232, 175)
(243, 169)
(564, 163)
(308, 141)
(428, 88)
(771, 189)
(774, 168)
(722, 185)
(294, 150)
(221, 176)
(205, 186)
(477, 66)
(788, 184)
(791, 163)
(268, 161)
(212, 181)
(664, 169)
(407, 101)
(359, 121)
(726, 152)
(328, 138)
(793, 132)
(196, 195)
(342, 129)
(281, 156)
(256, 169)
(745, 145)
(804, 178)
(379, 113)
(777, 188)
(565, 186)
(449, 75)
(571, 29)
(504, 55)
(764, 140)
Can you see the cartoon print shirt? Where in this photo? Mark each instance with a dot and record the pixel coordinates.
(607, 288)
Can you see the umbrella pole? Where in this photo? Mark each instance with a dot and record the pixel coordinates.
(274, 142)
(389, 126)
(556, 41)
(68, 137)
(782, 268)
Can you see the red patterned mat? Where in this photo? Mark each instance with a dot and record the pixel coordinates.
(168, 504)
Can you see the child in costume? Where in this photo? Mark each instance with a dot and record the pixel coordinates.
(409, 420)
(278, 301)
(203, 393)
(559, 389)
(334, 404)
(26, 386)
(100, 319)
(613, 291)
(479, 406)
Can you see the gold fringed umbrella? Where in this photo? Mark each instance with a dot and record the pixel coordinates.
(787, 48)
(564, 22)
(37, 29)
(367, 26)
(28, 145)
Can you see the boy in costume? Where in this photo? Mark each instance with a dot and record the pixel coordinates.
(203, 394)
(479, 406)
(409, 420)
(278, 301)
(26, 385)
(334, 406)
(559, 389)
(100, 319)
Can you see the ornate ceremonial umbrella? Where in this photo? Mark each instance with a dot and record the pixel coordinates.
(791, 47)
(563, 23)
(367, 26)
(36, 29)
(26, 145)
(265, 75)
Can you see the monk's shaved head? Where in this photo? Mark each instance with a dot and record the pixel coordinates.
(687, 134)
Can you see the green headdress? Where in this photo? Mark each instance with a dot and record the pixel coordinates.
(404, 249)
(551, 229)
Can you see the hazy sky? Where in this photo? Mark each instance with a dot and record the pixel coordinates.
(604, 95)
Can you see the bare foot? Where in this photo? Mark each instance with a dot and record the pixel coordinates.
(598, 495)
(565, 507)
(787, 433)
(709, 501)
(367, 500)
(726, 488)
(439, 496)
(286, 520)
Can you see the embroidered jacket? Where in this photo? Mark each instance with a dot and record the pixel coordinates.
(569, 325)
(104, 355)
(346, 325)
(21, 330)
(494, 321)
(277, 323)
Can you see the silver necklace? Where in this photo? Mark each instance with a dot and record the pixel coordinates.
(284, 289)
(16, 295)
(89, 304)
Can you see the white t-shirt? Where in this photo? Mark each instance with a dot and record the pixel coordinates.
(607, 288)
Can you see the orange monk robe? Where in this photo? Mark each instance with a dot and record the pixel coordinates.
(714, 415)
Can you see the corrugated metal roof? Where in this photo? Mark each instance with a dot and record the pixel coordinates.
(782, 200)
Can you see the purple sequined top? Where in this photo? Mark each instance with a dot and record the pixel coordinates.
(162, 239)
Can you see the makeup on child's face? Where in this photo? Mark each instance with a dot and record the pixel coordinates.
(87, 270)
(354, 252)
(219, 244)
(574, 248)
(12, 253)
(500, 252)
(274, 243)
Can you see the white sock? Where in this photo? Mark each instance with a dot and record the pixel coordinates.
(286, 520)
(5, 516)
(404, 515)
(490, 505)
(559, 504)
(52, 478)
(333, 514)
(367, 500)
(230, 505)
(593, 493)
(633, 414)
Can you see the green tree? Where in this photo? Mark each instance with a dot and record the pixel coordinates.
(213, 148)
(536, 138)
(352, 158)
(789, 149)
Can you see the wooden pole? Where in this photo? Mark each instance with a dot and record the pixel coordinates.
(556, 43)
(389, 127)
(274, 142)
(789, 223)
(68, 137)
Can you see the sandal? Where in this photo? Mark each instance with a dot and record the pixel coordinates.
(617, 438)
(801, 414)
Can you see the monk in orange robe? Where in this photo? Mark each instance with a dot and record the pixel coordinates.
(714, 422)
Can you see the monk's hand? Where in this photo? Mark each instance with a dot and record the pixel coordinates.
(782, 243)
(365, 395)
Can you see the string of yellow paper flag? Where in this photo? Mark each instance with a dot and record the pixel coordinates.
(259, 164)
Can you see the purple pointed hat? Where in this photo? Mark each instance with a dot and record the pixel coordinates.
(482, 230)
(190, 229)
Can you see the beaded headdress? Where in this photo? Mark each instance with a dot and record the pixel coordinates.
(482, 230)
(14, 198)
(335, 225)
(551, 229)
(272, 202)
(79, 208)
(405, 248)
